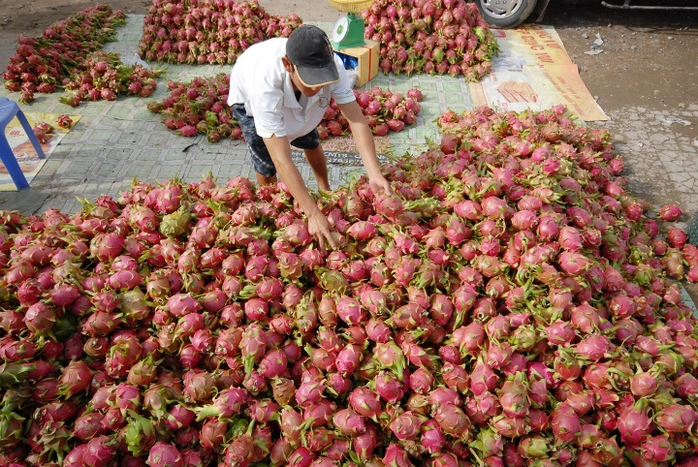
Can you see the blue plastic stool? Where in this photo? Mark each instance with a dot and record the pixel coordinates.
(8, 110)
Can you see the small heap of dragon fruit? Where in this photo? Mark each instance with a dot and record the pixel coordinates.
(385, 111)
(208, 31)
(64, 121)
(42, 63)
(200, 107)
(104, 76)
(511, 305)
(431, 36)
(43, 132)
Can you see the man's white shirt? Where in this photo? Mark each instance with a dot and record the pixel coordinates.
(260, 82)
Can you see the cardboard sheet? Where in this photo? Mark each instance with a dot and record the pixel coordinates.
(533, 71)
(342, 151)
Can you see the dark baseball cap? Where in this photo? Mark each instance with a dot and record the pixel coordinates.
(309, 49)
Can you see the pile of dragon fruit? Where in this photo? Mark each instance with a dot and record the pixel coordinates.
(41, 64)
(104, 76)
(208, 31)
(200, 107)
(431, 36)
(385, 111)
(415, 36)
(512, 304)
(44, 130)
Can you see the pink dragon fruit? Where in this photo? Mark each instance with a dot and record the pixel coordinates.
(273, 363)
(301, 457)
(40, 318)
(199, 386)
(99, 451)
(348, 422)
(127, 397)
(455, 376)
(349, 359)
(482, 378)
(594, 347)
(407, 426)
(364, 444)
(644, 383)
(566, 424)
(178, 417)
(164, 455)
(452, 420)
(76, 378)
(677, 418)
(350, 310)
(658, 449)
(365, 402)
(181, 304)
(395, 456)
(669, 213)
(432, 436)
(573, 263)
(388, 386)
(513, 397)
(88, 426)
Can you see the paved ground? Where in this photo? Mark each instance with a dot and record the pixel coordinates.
(657, 146)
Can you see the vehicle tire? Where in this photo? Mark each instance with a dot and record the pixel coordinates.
(505, 13)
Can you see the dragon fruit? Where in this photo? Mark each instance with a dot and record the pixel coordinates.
(513, 397)
(365, 402)
(676, 418)
(99, 451)
(40, 317)
(477, 315)
(76, 378)
(364, 444)
(127, 397)
(669, 212)
(452, 420)
(164, 455)
(348, 422)
(565, 423)
(406, 426)
(388, 387)
(634, 424)
(658, 449)
(396, 456)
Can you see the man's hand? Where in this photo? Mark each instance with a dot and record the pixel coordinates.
(366, 146)
(320, 228)
(378, 184)
(318, 225)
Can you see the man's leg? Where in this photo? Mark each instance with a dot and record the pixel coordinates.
(261, 160)
(315, 155)
(317, 161)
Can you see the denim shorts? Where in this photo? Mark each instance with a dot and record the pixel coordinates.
(261, 160)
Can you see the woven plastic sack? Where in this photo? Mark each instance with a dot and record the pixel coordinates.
(692, 230)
